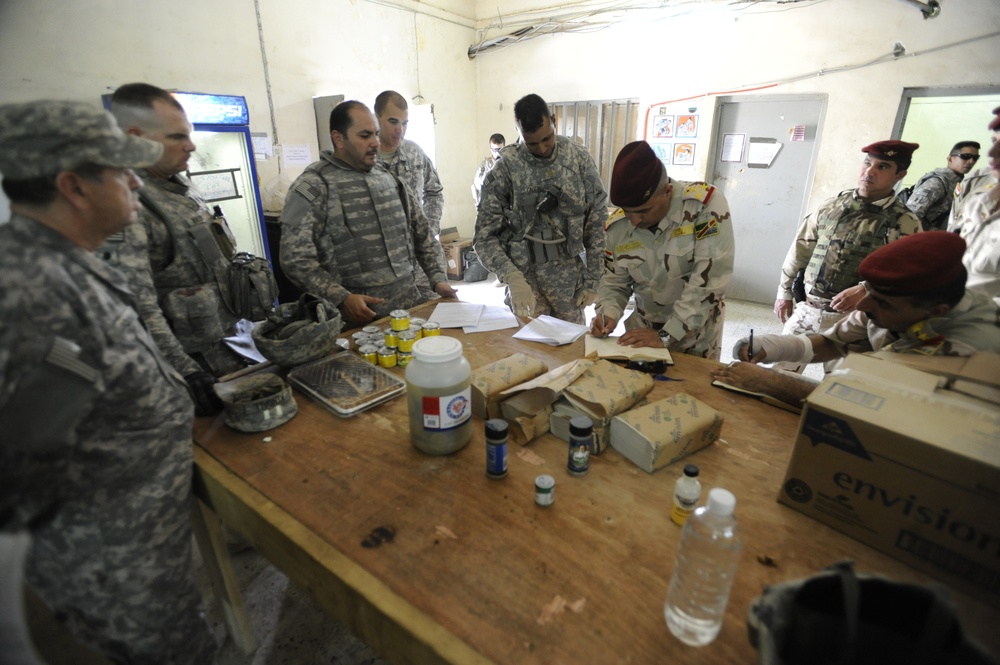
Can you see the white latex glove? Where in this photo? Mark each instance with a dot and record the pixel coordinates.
(776, 348)
(522, 300)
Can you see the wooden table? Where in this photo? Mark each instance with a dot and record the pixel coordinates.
(427, 560)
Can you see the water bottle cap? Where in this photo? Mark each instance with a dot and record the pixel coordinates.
(691, 470)
(721, 501)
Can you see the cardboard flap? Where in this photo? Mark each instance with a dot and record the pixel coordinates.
(489, 381)
(527, 406)
(607, 389)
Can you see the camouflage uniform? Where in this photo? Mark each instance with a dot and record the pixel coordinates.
(558, 274)
(176, 288)
(976, 181)
(477, 180)
(931, 198)
(97, 453)
(678, 270)
(830, 245)
(411, 165)
(979, 225)
(972, 325)
(345, 231)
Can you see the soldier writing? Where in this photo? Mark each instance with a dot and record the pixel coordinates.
(671, 244)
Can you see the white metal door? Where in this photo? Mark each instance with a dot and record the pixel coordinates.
(764, 150)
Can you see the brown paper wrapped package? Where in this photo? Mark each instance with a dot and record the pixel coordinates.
(659, 434)
(489, 381)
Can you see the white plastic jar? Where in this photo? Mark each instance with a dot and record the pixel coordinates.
(439, 396)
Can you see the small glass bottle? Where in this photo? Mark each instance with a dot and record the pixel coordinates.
(581, 433)
(707, 559)
(687, 491)
(496, 448)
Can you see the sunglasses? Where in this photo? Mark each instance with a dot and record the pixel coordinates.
(966, 156)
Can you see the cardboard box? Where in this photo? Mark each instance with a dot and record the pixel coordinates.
(889, 455)
(660, 433)
(454, 247)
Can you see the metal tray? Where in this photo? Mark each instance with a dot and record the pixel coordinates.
(346, 384)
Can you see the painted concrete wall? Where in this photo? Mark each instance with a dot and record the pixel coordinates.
(704, 52)
(53, 48)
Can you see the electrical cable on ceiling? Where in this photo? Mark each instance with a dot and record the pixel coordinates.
(595, 16)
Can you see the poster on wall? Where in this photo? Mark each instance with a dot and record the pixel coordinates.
(687, 127)
(683, 154)
(663, 151)
(663, 126)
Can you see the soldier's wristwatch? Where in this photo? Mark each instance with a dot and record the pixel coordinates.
(664, 337)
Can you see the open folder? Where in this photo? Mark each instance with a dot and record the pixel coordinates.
(609, 348)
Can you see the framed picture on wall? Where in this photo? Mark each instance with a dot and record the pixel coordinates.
(687, 126)
(664, 151)
(683, 154)
(663, 126)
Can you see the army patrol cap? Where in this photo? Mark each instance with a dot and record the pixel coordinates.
(47, 137)
(915, 264)
(635, 176)
(900, 152)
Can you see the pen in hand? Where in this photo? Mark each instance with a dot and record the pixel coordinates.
(750, 346)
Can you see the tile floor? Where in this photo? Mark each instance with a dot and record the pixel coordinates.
(292, 629)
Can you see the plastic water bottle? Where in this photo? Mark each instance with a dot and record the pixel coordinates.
(703, 573)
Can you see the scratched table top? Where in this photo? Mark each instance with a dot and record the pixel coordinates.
(428, 560)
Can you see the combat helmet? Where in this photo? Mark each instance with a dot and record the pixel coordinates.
(257, 403)
(299, 332)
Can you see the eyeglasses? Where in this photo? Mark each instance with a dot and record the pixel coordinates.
(966, 156)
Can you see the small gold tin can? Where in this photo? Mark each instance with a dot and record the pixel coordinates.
(370, 353)
(360, 337)
(399, 319)
(403, 358)
(389, 338)
(372, 331)
(386, 357)
(430, 329)
(405, 340)
(416, 330)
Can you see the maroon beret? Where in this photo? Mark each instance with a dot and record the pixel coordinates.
(893, 151)
(915, 264)
(635, 176)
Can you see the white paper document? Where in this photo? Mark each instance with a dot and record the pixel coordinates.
(550, 330)
(494, 317)
(456, 314)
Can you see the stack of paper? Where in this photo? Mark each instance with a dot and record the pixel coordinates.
(456, 314)
(550, 330)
